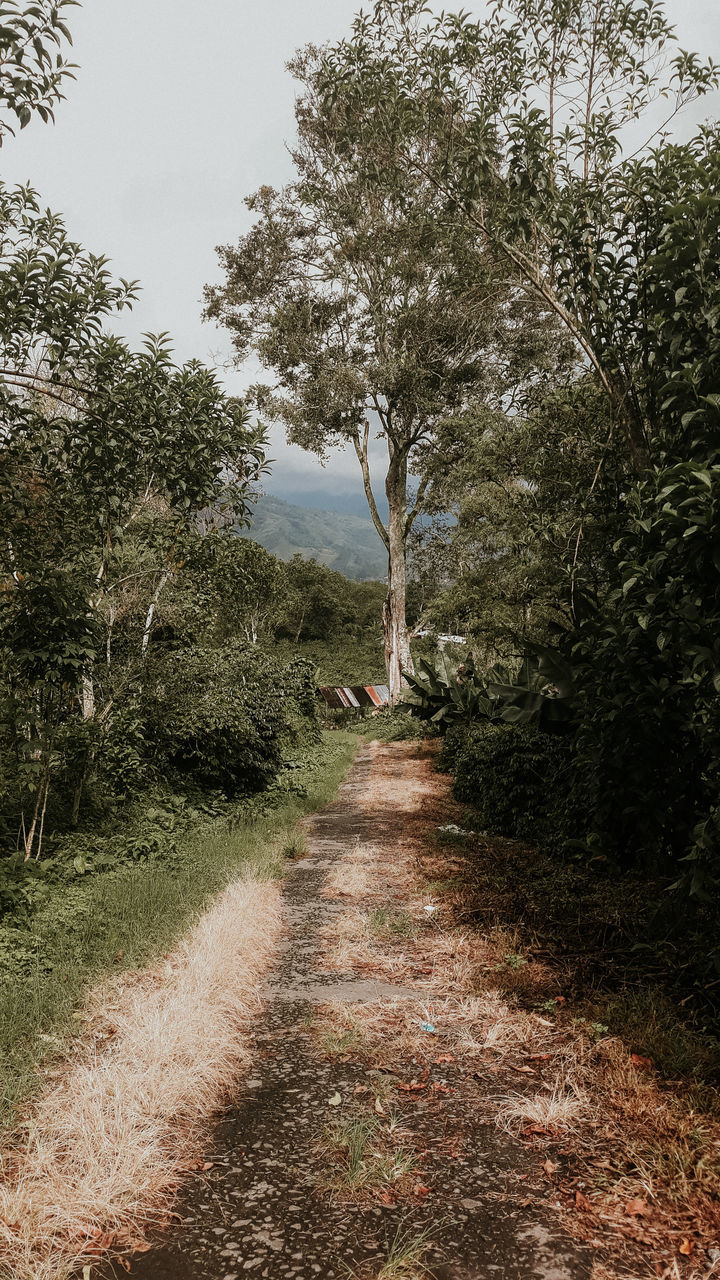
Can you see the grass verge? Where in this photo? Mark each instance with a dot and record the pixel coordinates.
(124, 917)
(103, 1147)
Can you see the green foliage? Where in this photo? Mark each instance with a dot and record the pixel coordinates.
(227, 586)
(521, 486)
(99, 446)
(33, 71)
(146, 877)
(323, 604)
(341, 661)
(223, 715)
(393, 725)
(543, 693)
(519, 780)
(379, 315)
(526, 111)
(647, 662)
(443, 693)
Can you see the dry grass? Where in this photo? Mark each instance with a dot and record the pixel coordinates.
(389, 1031)
(405, 1261)
(349, 880)
(560, 1110)
(503, 1012)
(104, 1145)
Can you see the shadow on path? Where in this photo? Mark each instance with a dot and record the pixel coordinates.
(259, 1212)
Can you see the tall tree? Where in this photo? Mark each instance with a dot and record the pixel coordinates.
(530, 108)
(379, 314)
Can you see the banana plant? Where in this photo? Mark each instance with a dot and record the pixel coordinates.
(543, 695)
(443, 693)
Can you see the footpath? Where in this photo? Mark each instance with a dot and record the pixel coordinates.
(383, 1132)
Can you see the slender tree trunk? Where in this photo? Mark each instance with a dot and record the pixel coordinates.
(151, 612)
(300, 626)
(395, 632)
(88, 696)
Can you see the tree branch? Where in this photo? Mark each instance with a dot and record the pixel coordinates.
(361, 450)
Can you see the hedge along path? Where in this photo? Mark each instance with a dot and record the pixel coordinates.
(366, 1143)
(105, 1145)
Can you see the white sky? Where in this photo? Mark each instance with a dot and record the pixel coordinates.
(181, 108)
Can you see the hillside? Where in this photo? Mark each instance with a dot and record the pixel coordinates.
(345, 542)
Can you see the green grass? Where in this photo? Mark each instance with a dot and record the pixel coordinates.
(384, 923)
(127, 915)
(295, 845)
(407, 1252)
(364, 1165)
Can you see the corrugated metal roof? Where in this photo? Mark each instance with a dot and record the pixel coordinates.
(371, 695)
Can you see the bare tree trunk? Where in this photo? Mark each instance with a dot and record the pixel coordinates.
(395, 632)
(151, 612)
(88, 696)
(300, 626)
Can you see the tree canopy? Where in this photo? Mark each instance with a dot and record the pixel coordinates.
(379, 314)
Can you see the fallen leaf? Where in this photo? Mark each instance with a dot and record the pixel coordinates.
(420, 1190)
(636, 1208)
(413, 1087)
(638, 1061)
(537, 1128)
(387, 1197)
(528, 1071)
(582, 1202)
(560, 1000)
(335, 1100)
(444, 1057)
(687, 1246)
(379, 1107)
(207, 1164)
(360, 1088)
(550, 1168)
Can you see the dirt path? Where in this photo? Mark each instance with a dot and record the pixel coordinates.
(367, 1140)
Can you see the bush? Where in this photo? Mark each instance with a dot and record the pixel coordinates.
(520, 781)
(225, 715)
(393, 725)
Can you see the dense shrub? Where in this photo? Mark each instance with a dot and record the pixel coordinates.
(224, 715)
(521, 781)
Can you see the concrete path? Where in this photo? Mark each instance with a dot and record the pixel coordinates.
(264, 1209)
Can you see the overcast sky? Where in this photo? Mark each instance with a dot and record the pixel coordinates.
(180, 109)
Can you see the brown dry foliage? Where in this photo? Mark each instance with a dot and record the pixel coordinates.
(631, 1137)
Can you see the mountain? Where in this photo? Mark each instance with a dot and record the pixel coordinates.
(342, 541)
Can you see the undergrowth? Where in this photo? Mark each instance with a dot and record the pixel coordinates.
(393, 726)
(594, 933)
(110, 908)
